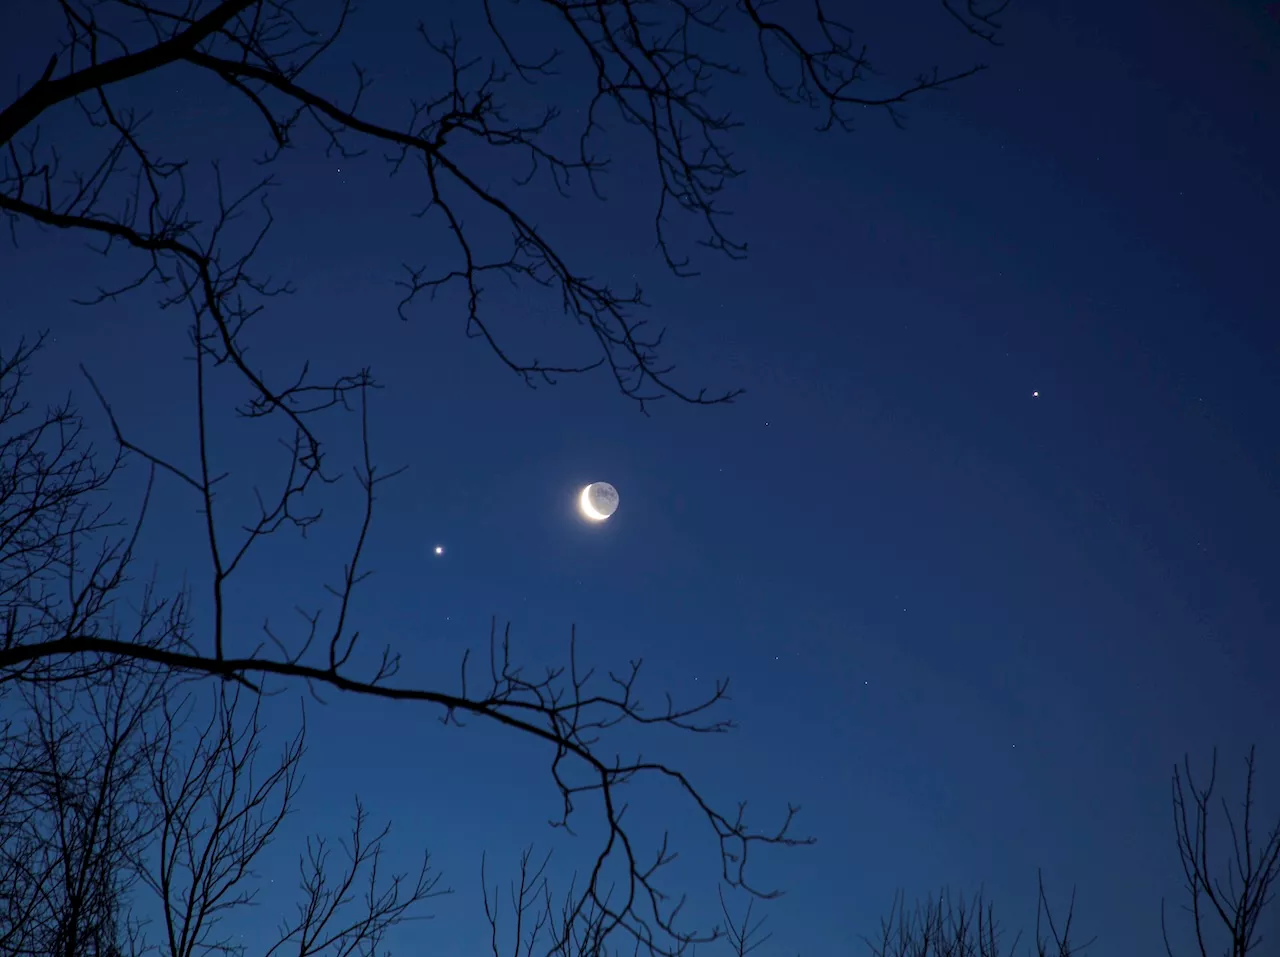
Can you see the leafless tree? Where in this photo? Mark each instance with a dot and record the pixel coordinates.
(331, 919)
(540, 921)
(107, 797)
(82, 640)
(743, 936)
(948, 926)
(649, 64)
(1226, 913)
(63, 558)
(652, 65)
(74, 812)
(219, 806)
(71, 746)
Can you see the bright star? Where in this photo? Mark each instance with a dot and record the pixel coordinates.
(1035, 395)
(439, 549)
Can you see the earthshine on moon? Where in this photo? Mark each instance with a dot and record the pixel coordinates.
(598, 501)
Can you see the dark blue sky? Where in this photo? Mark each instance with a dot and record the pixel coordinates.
(969, 629)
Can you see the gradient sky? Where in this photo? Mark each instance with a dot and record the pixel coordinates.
(969, 629)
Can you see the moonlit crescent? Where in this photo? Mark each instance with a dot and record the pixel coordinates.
(598, 501)
(584, 502)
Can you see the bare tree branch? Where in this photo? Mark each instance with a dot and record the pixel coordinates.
(947, 926)
(65, 567)
(1228, 911)
(74, 813)
(651, 64)
(568, 709)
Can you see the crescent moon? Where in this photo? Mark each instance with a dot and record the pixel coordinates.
(584, 503)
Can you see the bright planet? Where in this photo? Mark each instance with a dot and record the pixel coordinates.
(598, 501)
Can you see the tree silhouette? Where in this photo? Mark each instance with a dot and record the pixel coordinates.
(1235, 892)
(650, 65)
(951, 926)
(65, 572)
(1227, 893)
(137, 783)
(67, 561)
(70, 815)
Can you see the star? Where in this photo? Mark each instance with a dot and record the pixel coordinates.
(439, 549)
(1035, 395)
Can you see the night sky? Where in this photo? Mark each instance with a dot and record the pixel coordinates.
(987, 544)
